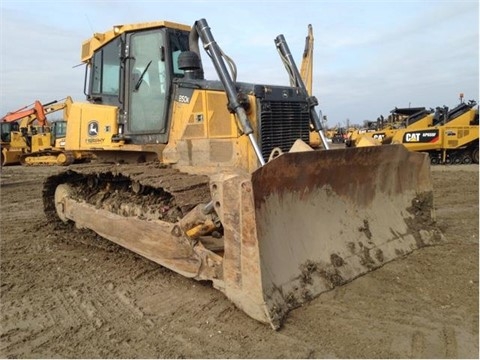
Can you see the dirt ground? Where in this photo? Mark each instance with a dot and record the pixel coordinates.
(74, 295)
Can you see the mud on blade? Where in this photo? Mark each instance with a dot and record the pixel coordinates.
(324, 218)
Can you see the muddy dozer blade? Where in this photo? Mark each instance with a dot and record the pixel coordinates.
(323, 218)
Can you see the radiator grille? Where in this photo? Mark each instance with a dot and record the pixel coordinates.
(281, 123)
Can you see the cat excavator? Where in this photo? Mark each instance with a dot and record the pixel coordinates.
(215, 180)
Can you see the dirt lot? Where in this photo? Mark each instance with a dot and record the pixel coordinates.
(74, 295)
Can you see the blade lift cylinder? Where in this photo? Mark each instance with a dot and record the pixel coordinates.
(292, 69)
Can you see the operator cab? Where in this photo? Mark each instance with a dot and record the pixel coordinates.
(6, 130)
(134, 72)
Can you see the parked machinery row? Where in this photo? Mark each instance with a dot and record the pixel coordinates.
(449, 136)
(28, 138)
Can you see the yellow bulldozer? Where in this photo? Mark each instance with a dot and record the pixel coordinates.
(215, 180)
(28, 138)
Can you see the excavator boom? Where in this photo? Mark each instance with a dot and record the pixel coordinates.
(306, 69)
(27, 116)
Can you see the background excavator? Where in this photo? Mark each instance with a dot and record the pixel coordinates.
(28, 138)
(214, 179)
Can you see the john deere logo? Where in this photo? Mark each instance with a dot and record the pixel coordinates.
(93, 128)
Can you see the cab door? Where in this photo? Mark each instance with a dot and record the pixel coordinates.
(147, 86)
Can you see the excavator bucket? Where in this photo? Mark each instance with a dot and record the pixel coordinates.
(308, 222)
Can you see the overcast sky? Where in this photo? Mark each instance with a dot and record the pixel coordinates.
(370, 56)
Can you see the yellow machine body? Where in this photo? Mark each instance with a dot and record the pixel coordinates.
(453, 139)
(447, 136)
(34, 141)
(204, 124)
(223, 186)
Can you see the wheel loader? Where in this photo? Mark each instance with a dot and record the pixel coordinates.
(215, 180)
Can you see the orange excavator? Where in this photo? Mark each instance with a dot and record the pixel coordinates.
(28, 138)
(37, 112)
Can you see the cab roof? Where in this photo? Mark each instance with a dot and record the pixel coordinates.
(99, 39)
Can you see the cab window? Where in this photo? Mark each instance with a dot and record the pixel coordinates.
(106, 69)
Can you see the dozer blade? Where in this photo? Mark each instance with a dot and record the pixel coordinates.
(11, 156)
(310, 221)
(298, 226)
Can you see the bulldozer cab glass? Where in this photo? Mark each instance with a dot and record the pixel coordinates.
(134, 73)
(6, 129)
(59, 130)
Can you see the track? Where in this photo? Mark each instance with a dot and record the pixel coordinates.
(455, 157)
(148, 191)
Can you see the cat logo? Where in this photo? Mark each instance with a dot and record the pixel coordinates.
(412, 137)
(93, 128)
(379, 136)
(429, 136)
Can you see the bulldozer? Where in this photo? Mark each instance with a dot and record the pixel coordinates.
(215, 180)
(28, 138)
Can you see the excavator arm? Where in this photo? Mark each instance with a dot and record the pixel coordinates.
(36, 112)
(306, 69)
(28, 115)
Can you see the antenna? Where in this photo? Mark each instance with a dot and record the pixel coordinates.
(89, 23)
